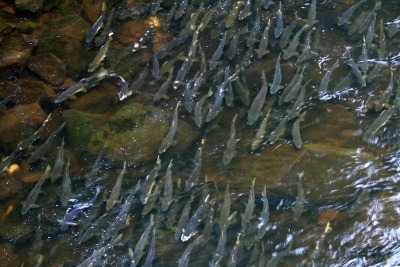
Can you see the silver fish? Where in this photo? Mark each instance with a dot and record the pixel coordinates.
(379, 122)
(81, 86)
(292, 89)
(263, 45)
(169, 138)
(209, 223)
(139, 247)
(203, 60)
(208, 16)
(181, 9)
(296, 131)
(144, 39)
(98, 253)
(266, 4)
(345, 17)
(300, 199)
(252, 38)
(66, 186)
(56, 172)
(279, 22)
(197, 114)
(323, 86)
(4, 102)
(246, 11)
(232, 16)
(151, 253)
(394, 27)
(167, 196)
(264, 216)
(100, 55)
(97, 25)
(276, 83)
(41, 151)
(190, 229)
(124, 86)
(382, 41)
(291, 50)
(363, 58)
(298, 105)
(33, 195)
(356, 71)
(184, 259)
(306, 54)
(149, 182)
(225, 210)
(181, 73)
(248, 212)
(255, 143)
(195, 174)
(164, 87)
(278, 132)
(287, 32)
(344, 83)
(312, 13)
(152, 202)
(242, 92)
(183, 220)
(233, 45)
(258, 102)
(369, 36)
(113, 199)
(386, 95)
(230, 150)
(106, 30)
(220, 250)
(233, 256)
(218, 52)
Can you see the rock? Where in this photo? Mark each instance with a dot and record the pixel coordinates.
(28, 5)
(131, 31)
(34, 90)
(48, 67)
(8, 258)
(16, 232)
(134, 133)
(79, 126)
(9, 186)
(91, 10)
(62, 26)
(18, 123)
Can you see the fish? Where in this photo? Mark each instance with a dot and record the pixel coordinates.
(369, 18)
(191, 24)
(97, 25)
(183, 220)
(162, 91)
(220, 250)
(230, 150)
(225, 209)
(266, 4)
(312, 13)
(382, 41)
(232, 16)
(168, 140)
(246, 11)
(195, 173)
(356, 71)
(233, 256)
(188, 96)
(106, 30)
(292, 89)
(296, 131)
(278, 132)
(276, 83)
(209, 223)
(149, 182)
(298, 105)
(252, 38)
(255, 143)
(124, 86)
(279, 22)
(369, 36)
(113, 199)
(291, 50)
(198, 107)
(323, 86)
(394, 27)
(208, 16)
(264, 216)
(56, 172)
(263, 45)
(78, 208)
(345, 17)
(300, 199)
(42, 150)
(190, 229)
(181, 73)
(155, 6)
(146, 37)
(386, 95)
(218, 52)
(380, 121)
(33, 195)
(155, 71)
(66, 186)
(363, 58)
(100, 55)
(152, 201)
(242, 92)
(90, 176)
(181, 9)
(344, 83)
(273, 262)
(151, 253)
(168, 187)
(100, 252)
(184, 259)
(287, 32)
(306, 54)
(258, 102)
(216, 107)
(5, 162)
(248, 212)
(5, 101)
(139, 247)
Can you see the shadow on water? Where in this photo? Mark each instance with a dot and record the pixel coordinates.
(173, 153)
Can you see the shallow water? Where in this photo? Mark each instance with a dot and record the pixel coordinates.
(347, 214)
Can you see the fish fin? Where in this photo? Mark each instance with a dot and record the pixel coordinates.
(72, 97)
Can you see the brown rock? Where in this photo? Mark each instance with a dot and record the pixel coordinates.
(28, 5)
(7, 256)
(13, 57)
(9, 186)
(48, 67)
(20, 122)
(92, 9)
(131, 32)
(15, 232)
(34, 90)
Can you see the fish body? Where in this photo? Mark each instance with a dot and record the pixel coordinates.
(296, 131)
(116, 189)
(279, 21)
(168, 187)
(298, 105)
(100, 55)
(363, 59)
(286, 33)
(292, 89)
(66, 186)
(291, 50)
(230, 150)
(184, 259)
(300, 199)
(277, 76)
(97, 25)
(246, 11)
(56, 172)
(263, 45)
(195, 173)
(264, 216)
(356, 72)
(252, 38)
(198, 108)
(124, 86)
(233, 256)
(232, 16)
(225, 210)
(255, 143)
(278, 132)
(149, 182)
(218, 52)
(169, 138)
(386, 95)
(151, 253)
(248, 212)
(312, 13)
(139, 247)
(345, 17)
(369, 36)
(190, 229)
(242, 92)
(323, 86)
(33, 195)
(220, 250)
(183, 220)
(258, 102)
(164, 87)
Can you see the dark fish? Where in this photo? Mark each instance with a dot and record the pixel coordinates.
(99, 41)
(242, 92)
(149, 182)
(292, 89)
(184, 218)
(291, 50)
(323, 86)
(100, 55)
(184, 259)
(190, 229)
(151, 253)
(167, 196)
(264, 216)
(248, 212)
(169, 138)
(300, 199)
(4, 102)
(263, 45)
(139, 247)
(198, 109)
(66, 186)
(279, 22)
(386, 95)
(276, 83)
(218, 52)
(56, 172)
(113, 199)
(345, 17)
(164, 87)
(296, 131)
(246, 11)
(298, 105)
(195, 174)
(258, 102)
(230, 150)
(232, 16)
(94, 29)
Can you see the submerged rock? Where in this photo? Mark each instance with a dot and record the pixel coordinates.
(48, 67)
(28, 5)
(9, 186)
(8, 257)
(135, 132)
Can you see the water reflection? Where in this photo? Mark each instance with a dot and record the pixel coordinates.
(331, 196)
